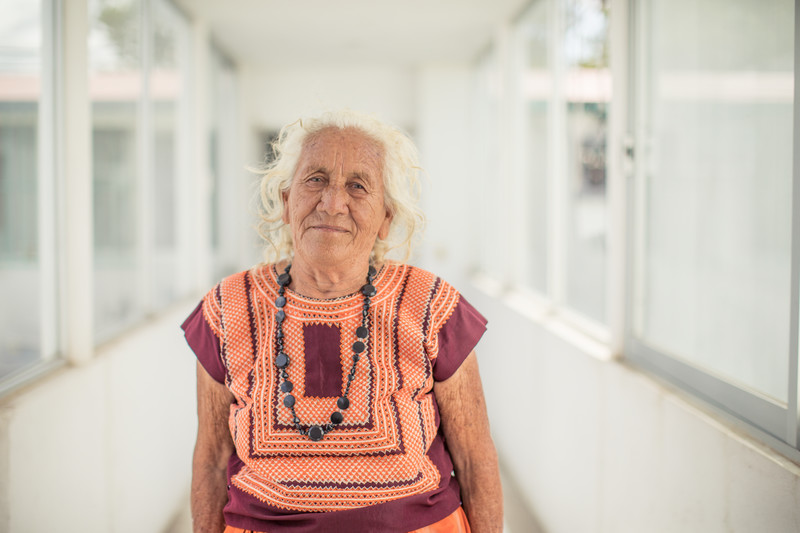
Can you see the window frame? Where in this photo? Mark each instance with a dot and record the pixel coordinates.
(754, 413)
(48, 158)
(504, 66)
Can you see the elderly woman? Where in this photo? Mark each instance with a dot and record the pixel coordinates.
(338, 391)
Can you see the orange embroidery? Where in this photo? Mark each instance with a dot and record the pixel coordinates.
(379, 453)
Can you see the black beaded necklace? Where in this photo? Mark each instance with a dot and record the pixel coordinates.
(315, 432)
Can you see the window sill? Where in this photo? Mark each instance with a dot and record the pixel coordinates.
(585, 335)
(19, 381)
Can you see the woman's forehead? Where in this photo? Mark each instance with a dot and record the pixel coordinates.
(356, 146)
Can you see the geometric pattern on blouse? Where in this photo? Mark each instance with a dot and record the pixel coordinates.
(378, 453)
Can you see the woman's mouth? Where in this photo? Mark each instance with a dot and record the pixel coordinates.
(329, 228)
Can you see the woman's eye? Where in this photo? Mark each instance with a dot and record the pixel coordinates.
(357, 185)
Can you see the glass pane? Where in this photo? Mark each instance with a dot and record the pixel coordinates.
(587, 91)
(116, 87)
(715, 259)
(20, 81)
(537, 90)
(166, 86)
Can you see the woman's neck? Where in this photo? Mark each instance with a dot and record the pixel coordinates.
(326, 282)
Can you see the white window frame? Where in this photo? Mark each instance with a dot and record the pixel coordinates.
(48, 208)
(757, 415)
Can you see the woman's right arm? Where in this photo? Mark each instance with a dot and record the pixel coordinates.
(212, 450)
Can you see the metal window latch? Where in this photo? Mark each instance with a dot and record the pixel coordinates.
(629, 145)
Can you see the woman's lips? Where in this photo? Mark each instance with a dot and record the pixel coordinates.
(334, 229)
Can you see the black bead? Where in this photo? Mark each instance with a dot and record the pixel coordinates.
(337, 417)
(315, 433)
(287, 386)
(362, 332)
(284, 279)
(359, 346)
(372, 272)
(343, 403)
(368, 290)
(280, 334)
(356, 357)
(288, 401)
(281, 360)
(280, 316)
(280, 301)
(284, 374)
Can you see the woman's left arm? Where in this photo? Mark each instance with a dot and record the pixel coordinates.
(466, 429)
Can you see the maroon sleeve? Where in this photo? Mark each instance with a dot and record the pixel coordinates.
(204, 343)
(457, 338)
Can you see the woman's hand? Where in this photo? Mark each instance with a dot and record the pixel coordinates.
(212, 450)
(466, 429)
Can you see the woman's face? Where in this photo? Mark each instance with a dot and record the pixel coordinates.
(335, 205)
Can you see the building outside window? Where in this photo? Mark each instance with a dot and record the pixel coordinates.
(27, 209)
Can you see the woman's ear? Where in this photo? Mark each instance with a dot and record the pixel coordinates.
(285, 199)
(383, 231)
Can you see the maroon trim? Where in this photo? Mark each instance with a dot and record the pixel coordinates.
(457, 338)
(204, 343)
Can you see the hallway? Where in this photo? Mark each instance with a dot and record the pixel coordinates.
(613, 184)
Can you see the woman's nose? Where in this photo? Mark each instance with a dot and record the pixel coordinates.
(334, 200)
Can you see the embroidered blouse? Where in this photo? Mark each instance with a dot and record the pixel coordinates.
(386, 466)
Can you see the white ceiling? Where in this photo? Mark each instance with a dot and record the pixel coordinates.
(265, 33)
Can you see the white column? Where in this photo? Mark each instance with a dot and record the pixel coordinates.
(77, 307)
(200, 191)
(619, 170)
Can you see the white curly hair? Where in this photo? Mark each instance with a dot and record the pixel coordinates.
(401, 173)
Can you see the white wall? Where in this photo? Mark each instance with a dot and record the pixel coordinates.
(592, 446)
(104, 447)
(443, 138)
(282, 95)
(597, 447)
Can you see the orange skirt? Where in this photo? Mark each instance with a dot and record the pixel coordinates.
(455, 523)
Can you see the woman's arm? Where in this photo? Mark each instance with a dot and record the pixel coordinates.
(212, 450)
(466, 429)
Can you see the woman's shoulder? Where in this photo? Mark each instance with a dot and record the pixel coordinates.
(244, 278)
(417, 277)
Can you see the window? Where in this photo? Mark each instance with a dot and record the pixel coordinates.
(711, 233)
(168, 99)
(116, 87)
(544, 119)
(27, 209)
(138, 61)
(587, 95)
